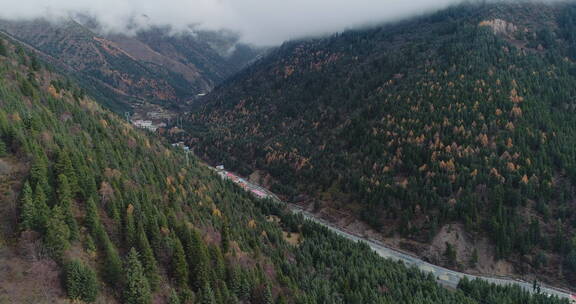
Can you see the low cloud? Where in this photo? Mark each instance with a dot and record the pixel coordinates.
(260, 22)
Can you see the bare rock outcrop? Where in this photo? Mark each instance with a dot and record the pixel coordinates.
(500, 27)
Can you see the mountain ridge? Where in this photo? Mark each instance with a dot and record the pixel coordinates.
(449, 118)
(150, 66)
(93, 210)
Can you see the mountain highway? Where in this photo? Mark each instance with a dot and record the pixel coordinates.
(443, 275)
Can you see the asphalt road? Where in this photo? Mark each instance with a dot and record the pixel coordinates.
(443, 275)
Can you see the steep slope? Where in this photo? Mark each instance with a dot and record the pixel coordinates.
(92, 210)
(442, 130)
(152, 66)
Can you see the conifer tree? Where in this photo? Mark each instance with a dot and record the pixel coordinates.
(92, 218)
(3, 50)
(90, 245)
(136, 289)
(34, 63)
(198, 259)
(147, 256)
(219, 268)
(65, 200)
(42, 209)
(130, 227)
(64, 166)
(173, 298)
(2, 148)
(225, 237)
(233, 280)
(281, 300)
(39, 174)
(57, 233)
(28, 213)
(267, 295)
(207, 295)
(179, 264)
(112, 262)
(80, 282)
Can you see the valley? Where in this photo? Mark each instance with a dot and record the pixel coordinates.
(433, 134)
(146, 159)
(131, 72)
(444, 276)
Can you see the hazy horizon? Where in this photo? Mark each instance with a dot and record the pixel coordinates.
(258, 22)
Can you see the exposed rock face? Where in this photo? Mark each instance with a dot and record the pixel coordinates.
(500, 27)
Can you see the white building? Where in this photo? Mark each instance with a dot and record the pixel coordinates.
(144, 124)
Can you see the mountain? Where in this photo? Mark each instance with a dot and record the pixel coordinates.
(93, 210)
(127, 70)
(449, 135)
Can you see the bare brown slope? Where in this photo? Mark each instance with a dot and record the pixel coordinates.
(152, 66)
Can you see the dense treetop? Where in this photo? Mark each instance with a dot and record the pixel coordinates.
(125, 221)
(466, 115)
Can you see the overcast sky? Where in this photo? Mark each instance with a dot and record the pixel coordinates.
(261, 22)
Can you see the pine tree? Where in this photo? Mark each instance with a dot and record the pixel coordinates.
(28, 213)
(80, 281)
(244, 286)
(92, 218)
(57, 233)
(281, 300)
(38, 171)
(173, 298)
(217, 263)
(267, 297)
(34, 63)
(137, 289)
(130, 227)
(450, 253)
(233, 280)
(39, 174)
(64, 192)
(148, 260)
(87, 183)
(198, 259)
(225, 237)
(474, 258)
(179, 264)
(64, 166)
(262, 294)
(570, 262)
(2, 148)
(112, 262)
(207, 295)
(90, 245)
(187, 296)
(65, 199)
(27, 88)
(3, 51)
(42, 209)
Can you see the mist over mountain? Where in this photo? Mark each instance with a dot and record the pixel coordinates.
(377, 153)
(93, 210)
(124, 71)
(259, 22)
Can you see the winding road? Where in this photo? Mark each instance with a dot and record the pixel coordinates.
(443, 275)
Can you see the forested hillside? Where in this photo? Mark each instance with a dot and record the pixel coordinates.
(466, 116)
(92, 210)
(125, 70)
